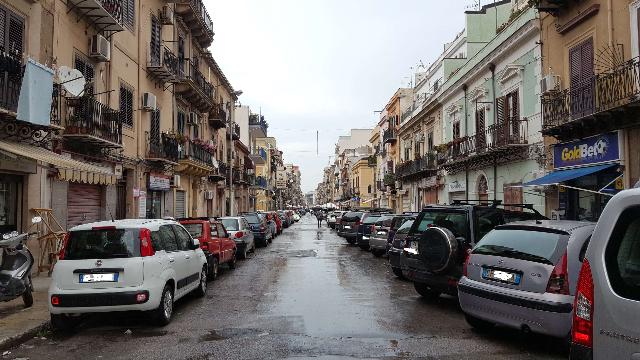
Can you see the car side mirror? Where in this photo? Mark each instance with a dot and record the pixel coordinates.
(196, 244)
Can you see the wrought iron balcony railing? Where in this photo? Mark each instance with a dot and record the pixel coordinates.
(196, 152)
(217, 117)
(89, 120)
(426, 163)
(389, 136)
(11, 72)
(495, 138)
(195, 15)
(164, 147)
(200, 80)
(614, 88)
(258, 120)
(105, 15)
(163, 63)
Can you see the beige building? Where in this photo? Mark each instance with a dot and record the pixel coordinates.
(362, 183)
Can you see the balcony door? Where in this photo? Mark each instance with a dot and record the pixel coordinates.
(156, 38)
(481, 139)
(581, 79)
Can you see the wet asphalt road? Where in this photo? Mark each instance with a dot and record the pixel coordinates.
(308, 295)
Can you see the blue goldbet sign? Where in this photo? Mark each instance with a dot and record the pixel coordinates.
(588, 151)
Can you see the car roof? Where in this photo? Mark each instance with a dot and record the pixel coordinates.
(231, 217)
(567, 226)
(125, 223)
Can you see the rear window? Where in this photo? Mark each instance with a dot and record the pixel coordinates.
(398, 221)
(102, 244)
(230, 224)
(371, 219)
(404, 228)
(622, 255)
(455, 221)
(526, 244)
(352, 216)
(252, 218)
(194, 229)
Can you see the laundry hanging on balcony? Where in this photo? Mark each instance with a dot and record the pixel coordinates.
(34, 103)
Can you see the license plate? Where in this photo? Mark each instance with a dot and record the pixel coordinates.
(93, 278)
(414, 245)
(502, 276)
(347, 227)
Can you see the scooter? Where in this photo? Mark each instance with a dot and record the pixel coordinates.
(15, 269)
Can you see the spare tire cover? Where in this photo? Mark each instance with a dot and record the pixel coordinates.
(438, 248)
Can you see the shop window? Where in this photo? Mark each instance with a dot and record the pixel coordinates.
(126, 104)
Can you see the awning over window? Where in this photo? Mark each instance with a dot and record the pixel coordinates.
(559, 176)
(68, 169)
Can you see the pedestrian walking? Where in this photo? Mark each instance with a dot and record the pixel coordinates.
(320, 217)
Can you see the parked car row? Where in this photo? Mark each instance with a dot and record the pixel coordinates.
(510, 266)
(146, 265)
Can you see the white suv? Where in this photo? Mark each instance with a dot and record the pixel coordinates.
(125, 265)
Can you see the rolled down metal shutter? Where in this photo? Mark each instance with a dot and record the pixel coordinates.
(84, 204)
(180, 204)
(459, 195)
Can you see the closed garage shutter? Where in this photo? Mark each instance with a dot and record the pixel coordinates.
(84, 203)
(459, 195)
(180, 204)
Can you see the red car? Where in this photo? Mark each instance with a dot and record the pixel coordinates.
(278, 221)
(216, 243)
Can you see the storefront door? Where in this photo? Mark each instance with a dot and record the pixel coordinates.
(10, 200)
(154, 204)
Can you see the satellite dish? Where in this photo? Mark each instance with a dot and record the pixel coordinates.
(71, 80)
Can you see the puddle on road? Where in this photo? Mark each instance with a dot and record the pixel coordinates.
(301, 253)
(223, 334)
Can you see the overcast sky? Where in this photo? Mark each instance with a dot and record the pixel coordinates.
(326, 65)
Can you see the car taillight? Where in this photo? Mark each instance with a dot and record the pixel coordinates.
(583, 308)
(65, 242)
(357, 223)
(559, 279)
(239, 234)
(466, 262)
(146, 248)
(373, 229)
(204, 246)
(55, 301)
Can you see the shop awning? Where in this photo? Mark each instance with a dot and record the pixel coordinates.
(68, 169)
(559, 176)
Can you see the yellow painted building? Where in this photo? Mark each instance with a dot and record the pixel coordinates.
(362, 183)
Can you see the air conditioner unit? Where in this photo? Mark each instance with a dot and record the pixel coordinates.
(100, 48)
(549, 82)
(167, 15)
(176, 180)
(193, 118)
(208, 195)
(149, 102)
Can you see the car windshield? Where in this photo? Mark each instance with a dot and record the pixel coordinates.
(230, 224)
(404, 228)
(453, 220)
(194, 229)
(102, 244)
(524, 243)
(252, 218)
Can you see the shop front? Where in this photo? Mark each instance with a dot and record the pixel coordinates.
(157, 186)
(587, 173)
(457, 190)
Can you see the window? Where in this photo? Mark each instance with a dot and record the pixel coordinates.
(369, 189)
(129, 13)
(182, 120)
(126, 105)
(154, 129)
(430, 141)
(525, 244)
(454, 221)
(487, 220)
(167, 239)
(103, 244)
(456, 129)
(156, 39)
(87, 69)
(183, 238)
(11, 32)
(194, 229)
(622, 255)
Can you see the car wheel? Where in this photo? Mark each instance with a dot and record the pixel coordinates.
(244, 253)
(27, 296)
(213, 268)
(232, 263)
(426, 292)
(201, 291)
(164, 312)
(398, 272)
(479, 324)
(364, 247)
(63, 322)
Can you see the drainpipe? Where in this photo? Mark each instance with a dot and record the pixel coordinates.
(610, 21)
(466, 133)
(492, 67)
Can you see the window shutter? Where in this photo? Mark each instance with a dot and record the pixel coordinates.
(3, 26)
(154, 133)
(15, 40)
(500, 110)
(155, 41)
(586, 59)
(126, 105)
(129, 14)
(575, 66)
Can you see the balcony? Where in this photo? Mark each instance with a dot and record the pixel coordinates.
(419, 167)
(163, 64)
(196, 158)
(239, 176)
(498, 144)
(262, 182)
(162, 150)
(389, 179)
(194, 88)
(89, 122)
(217, 117)
(258, 122)
(552, 6)
(219, 173)
(195, 16)
(105, 15)
(389, 136)
(608, 101)
(235, 132)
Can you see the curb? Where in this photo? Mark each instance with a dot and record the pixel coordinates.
(13, 341)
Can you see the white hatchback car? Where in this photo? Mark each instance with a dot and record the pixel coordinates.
(125, 265)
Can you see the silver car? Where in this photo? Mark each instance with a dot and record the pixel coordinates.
(606, 322)
(523, 275)
(380, 236)
(240, 231)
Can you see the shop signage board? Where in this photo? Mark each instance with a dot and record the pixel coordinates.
(589, 151)
(456, 186)
(159, 182)
(142, 205)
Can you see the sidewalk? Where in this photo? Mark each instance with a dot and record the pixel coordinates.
(17, 323)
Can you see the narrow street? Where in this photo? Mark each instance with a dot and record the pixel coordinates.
(308, 295)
